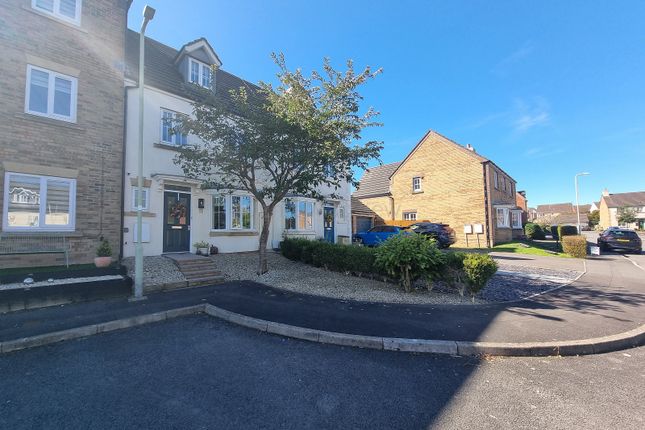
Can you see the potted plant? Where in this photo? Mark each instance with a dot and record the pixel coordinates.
(103, 254)
(202, 247)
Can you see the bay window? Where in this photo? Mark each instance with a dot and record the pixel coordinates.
(502, 217)
(516, 219)
(34, 203)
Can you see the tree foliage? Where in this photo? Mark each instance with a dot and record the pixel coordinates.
(626, 215)
(302, 136)
(594, 218)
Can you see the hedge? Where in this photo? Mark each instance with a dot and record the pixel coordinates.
(575, 246)
(567, 230)
(533, 231)
(340, 258)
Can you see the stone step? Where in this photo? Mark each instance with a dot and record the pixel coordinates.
(196, 275)
(210, 280)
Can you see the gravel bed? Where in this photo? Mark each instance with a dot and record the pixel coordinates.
(18, 285)
(512, 283)
(157, 270)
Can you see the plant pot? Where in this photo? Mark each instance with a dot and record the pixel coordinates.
(202, 251)
(102, 261)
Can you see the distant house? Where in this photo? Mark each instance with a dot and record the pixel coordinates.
(612, 204)
(444, 182)
(553, 210)
(363, 218)
(595, 206)
(532, 214)
(562, 213)
(522, 202)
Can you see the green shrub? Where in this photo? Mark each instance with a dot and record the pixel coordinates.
(575, 246)
(104, 249)
(533, 231)
(453, 271)
(341, 258)
(409, 258)
(478, 269)
(567, 230)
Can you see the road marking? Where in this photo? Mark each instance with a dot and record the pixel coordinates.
(634, 263)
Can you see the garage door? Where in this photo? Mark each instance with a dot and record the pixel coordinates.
(363, 223)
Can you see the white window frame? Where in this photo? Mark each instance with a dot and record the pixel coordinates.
(146, 198)
(417, 185)
(505, 221)
(519, 219)
(297, 202)
(42, 205)
(410, 216)
(51, 88)
(228, 209)
(175, 136)
(200, 72)
(56, 11)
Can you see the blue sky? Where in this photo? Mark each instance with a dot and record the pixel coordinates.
(545, 89)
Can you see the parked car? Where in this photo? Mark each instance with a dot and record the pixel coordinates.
(442, 233)
(620, 239)
(378, 234)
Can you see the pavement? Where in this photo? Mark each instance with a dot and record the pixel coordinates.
(608, 300)
(202, 373)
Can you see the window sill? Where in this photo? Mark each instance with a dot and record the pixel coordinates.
(144, 214)
(49, 121)
(55, 18)
(168, 146)
(220, 233)
(417, 192)
(299, 232)
(41, 233)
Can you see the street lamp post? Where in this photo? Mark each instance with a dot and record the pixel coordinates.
(577, 202)
(148, 14)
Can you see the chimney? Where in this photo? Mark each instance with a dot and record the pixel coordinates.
(470, 147)
(605, 192)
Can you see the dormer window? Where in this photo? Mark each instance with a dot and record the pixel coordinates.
(200, 73)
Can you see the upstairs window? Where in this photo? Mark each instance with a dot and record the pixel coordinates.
(67, 10)
(496, 179)
(170, 121)
(50, 94)
(200, 73)
(416, 184)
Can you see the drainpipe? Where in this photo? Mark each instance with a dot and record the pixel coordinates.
(123, 154)
(486, 204)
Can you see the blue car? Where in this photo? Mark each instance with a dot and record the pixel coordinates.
(375, 235)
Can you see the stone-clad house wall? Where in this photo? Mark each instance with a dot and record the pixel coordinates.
(90, 149)
(452, 187)
(457, 188)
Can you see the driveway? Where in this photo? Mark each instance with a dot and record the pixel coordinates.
(201, 373)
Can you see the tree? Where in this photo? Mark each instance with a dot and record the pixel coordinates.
(594, 218)
(626, 215)
(299, 137)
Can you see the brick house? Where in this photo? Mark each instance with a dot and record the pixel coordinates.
(62, 110)
(612, 203)
(442, 181)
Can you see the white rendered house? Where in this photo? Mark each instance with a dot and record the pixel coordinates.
(177, 212)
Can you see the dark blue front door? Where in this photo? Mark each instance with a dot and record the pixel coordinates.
(328, 223)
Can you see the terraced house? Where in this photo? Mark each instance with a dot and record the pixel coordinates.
(444, 182)
(179, 211)
(61, 122)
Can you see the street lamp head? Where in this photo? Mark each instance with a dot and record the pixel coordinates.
(148, 13)
(583, 174)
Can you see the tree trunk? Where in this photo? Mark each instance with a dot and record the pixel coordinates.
(267, 213)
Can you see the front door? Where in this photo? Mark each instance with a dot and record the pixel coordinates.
(328, 222)
(176, 234)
